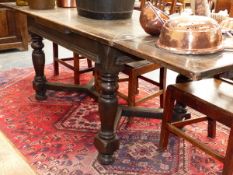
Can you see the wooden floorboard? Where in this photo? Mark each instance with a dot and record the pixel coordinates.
(11, 161)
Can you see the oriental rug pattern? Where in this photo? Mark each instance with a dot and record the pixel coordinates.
(56, 135)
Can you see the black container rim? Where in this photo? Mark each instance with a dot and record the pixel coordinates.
(104, 15)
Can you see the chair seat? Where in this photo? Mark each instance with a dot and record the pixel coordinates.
(216, 93)
(138, 64)
(142, 65)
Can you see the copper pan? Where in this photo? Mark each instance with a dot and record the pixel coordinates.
(191, 35)
(66, 3)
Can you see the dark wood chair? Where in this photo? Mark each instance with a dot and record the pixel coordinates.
(75, 67)
(212, 97)
(172, 5)
(135, 71)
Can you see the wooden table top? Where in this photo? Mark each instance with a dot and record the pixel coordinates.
(128, 36)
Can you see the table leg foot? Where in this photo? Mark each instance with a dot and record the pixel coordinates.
(106, 148)
(105, 159)
(40, 97)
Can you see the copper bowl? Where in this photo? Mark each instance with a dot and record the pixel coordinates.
(191, 35)
(66, 3)
(152, 19)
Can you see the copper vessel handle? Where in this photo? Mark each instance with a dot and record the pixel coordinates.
(155, 10)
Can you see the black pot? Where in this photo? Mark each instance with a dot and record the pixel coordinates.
(105, 9)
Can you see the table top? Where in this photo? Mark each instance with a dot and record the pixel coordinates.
(128, 36)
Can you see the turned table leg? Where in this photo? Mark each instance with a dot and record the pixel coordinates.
(106, 141)
(38, 59)
(180, 111)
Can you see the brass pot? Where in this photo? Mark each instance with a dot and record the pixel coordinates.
(191, 35)
(41, 4)
(21, 2)
(66, 3)
(152, 19)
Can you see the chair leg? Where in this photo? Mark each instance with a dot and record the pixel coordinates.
(228, 161)
(133, 80)
(55, 56)
(97, 81)
(136, 90)
(132, 91)
(211, 128)
(89, 63)
(76, 72)
(167, 117)
(162, 84)
(173, 6)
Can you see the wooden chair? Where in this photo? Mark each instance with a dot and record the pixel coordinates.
(212, 97)
(173, 5)
(75, 67)
(135, 71)
(184, 2)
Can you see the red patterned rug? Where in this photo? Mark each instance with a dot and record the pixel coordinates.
(56, 135)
